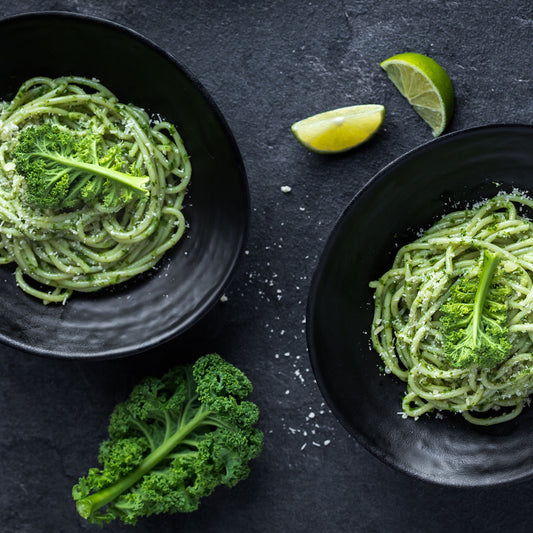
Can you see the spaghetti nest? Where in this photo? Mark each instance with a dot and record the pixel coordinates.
(93, 246)
(406, 328)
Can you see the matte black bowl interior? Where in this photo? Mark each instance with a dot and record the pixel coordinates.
(408, 195)
(191, 278)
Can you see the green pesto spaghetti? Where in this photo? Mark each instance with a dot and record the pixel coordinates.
(95, 243)
(413, 302)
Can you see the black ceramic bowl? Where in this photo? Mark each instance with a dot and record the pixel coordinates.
(191, 278)
(408, 195)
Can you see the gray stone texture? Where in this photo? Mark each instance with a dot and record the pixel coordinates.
(268, 64)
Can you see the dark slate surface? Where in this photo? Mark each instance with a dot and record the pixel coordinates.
(268, 64)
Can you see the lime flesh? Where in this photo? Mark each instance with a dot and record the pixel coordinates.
(426, 85)
(340, 129)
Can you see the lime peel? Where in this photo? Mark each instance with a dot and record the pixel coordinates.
(339, 129)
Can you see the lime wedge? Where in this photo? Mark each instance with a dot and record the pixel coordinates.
(340, 129)
(426, 86)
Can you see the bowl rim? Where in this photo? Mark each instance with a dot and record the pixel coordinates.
(312, 298)
(215, 296)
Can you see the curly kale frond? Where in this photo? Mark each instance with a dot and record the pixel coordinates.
(474, 318)
(62, 169)
(172, 442)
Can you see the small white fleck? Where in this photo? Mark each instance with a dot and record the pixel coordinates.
(286, 189)
(223, 298)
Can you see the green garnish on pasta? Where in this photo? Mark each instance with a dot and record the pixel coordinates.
(453, 317)
(91, 189)
(474, 318)
(63, 169)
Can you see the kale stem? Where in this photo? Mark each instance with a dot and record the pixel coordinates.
(90, 504)
(136, 182)
(490, 263)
